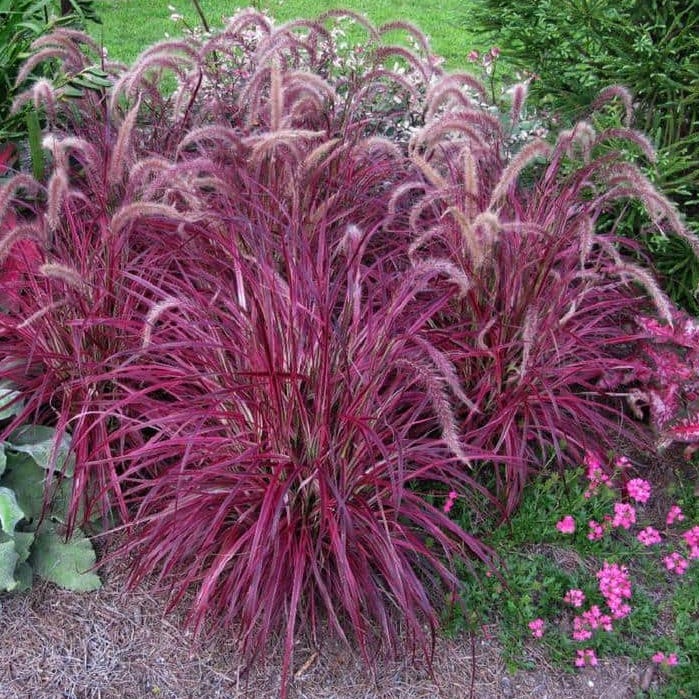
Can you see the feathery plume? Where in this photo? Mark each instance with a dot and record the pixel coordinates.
(529, 153)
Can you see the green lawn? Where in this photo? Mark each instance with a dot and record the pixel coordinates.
(131, 25)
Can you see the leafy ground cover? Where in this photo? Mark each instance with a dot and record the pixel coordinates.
(316, 314)
(599, 567)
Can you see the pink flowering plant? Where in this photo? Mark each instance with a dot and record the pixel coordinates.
(635, 551)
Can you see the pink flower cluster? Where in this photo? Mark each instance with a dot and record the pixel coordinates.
(624, 515)
(613, 579)
(691, 538)
(590, 621)
(639, 490)
(676, 563)
(566, 525)
(649, 536)
(575, 598)
(661, 659)
(585, 657)
(595, 474)
(674, 513)
(615, 586)
(596, 530)
(537, 628)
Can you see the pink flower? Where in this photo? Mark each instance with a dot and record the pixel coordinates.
(596, 530)
(674, 513)
(566, 525)
(595, 473)
(661, 659)
(449, 502)
(536, 627)
(581, 629)
(691, 536)
(574, 597)
(639, 490)
(622, 462)
(624, 515)
(615, 586)
(676, 563)
(585, 657)
(649, 536)
(494, 51)
(594, 618)
(473, 56)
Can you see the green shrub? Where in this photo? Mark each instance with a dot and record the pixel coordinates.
(578, 47)
(21, 23)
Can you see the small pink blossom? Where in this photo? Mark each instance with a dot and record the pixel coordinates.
(585, 657)
(661, 659)
(473, 56)
(536, 627)
(596, 530)
(674, 514)
(622, 462)
(566, 525)
(639, 490)
(676, 563)
(594, 618)
(574, 597)
(649, 536)
(691, 536)
(615, 586)
(449, 502)
(595, 474)
(624, 515)
(494, 51)
(581, 629)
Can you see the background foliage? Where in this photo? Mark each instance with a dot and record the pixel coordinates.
(578, 47)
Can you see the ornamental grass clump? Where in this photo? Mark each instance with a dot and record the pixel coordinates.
(547, 330)
(283, 308)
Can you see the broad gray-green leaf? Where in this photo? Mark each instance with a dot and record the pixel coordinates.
(9, 406)
(24, 577)
(26, 478)
(8, 563)
(23, 544)
(65, 563)
(10, 511)
(38, 441)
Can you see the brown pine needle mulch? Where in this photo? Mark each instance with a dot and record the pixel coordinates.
(56, 644)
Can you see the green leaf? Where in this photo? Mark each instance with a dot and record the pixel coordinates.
(38, 442)
(8, 405)
(26, 478)
(24, 577)
(10, 511)
(72, 92)
(65, 563)
(3, 458)
(8, 562)
(23, 544)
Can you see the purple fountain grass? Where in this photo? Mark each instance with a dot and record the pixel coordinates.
(292, 417)
(546, 333)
